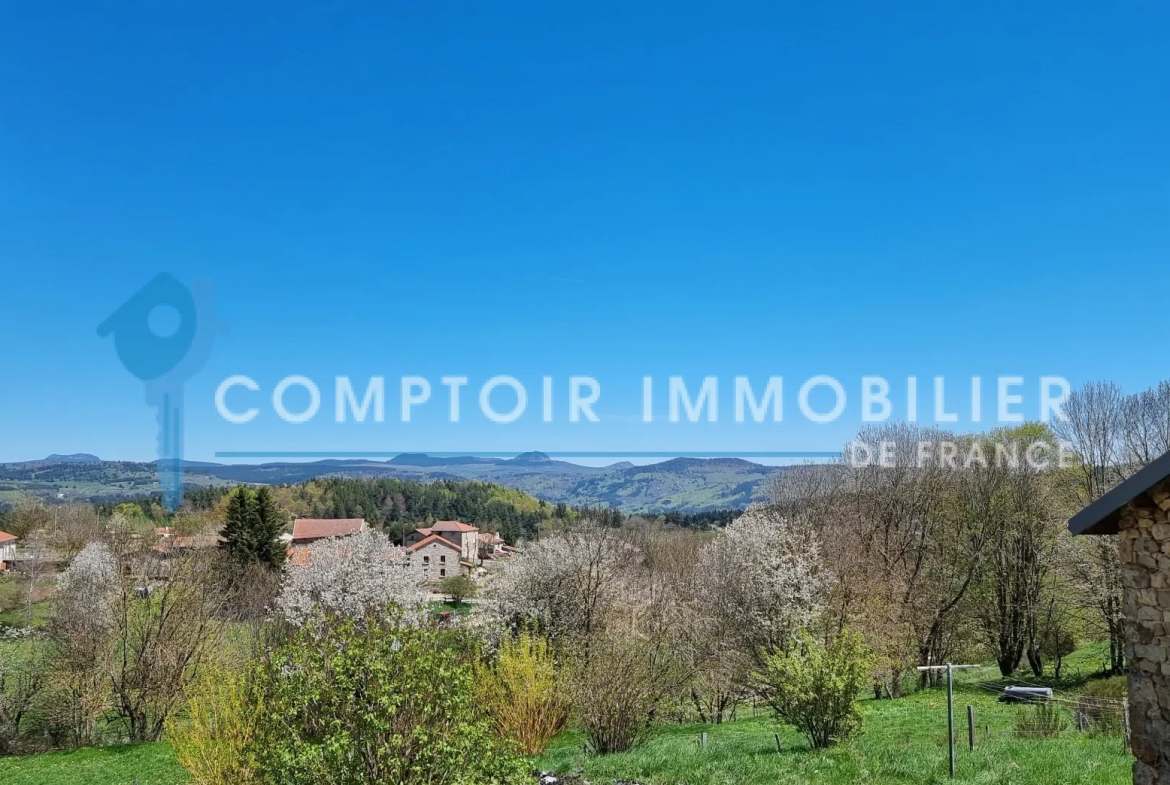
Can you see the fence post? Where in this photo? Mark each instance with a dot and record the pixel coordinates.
(971, 727)
(1125, 723)
(703, 739)
(777, 737)
(951, 714)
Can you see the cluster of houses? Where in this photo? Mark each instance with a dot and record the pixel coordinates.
(442, 550)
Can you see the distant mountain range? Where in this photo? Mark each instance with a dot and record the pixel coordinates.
(682, 484)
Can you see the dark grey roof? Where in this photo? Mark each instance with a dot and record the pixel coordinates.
(1103, 515)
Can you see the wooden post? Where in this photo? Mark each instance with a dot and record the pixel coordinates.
(1125, 723)
(971, 727)
(776, 736)
(703, 739)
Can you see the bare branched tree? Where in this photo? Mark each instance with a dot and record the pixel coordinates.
(1098, 430)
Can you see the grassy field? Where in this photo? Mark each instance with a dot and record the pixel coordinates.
(904, 742)
(146, 764)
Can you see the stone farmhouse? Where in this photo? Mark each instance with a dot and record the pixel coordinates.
(463, 535)
(435, 558)
(442, 550)
(1138, 512)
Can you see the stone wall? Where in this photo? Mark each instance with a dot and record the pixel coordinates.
(1145, 575)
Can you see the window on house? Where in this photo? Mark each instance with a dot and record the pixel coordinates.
(426, 560)
(442, 573)
(443, 558)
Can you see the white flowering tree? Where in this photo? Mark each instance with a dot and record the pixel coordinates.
(84, 622)
(348, 576)
(567, 582)
(86, 591)
(764, 576)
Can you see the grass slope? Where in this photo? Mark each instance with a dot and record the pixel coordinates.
(146, 764)
(904, 741)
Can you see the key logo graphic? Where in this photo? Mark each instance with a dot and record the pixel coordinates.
(163, 336)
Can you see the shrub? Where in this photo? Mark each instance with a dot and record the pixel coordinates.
(1114, 687)
(1099, 708)
(374, 699)
(457, 588)
(22, 678)
(1041, 720)
(618, 685)
(213, 742)
(814, 686)
(524, 692)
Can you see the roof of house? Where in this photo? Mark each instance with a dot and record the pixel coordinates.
(452, 526)
(202, 541)
(6, 537)
(1103, 515)
(298, 555)
(320, 528)
(491, 538)
(424, 532)
(434, 538)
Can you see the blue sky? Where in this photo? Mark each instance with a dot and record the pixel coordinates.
(604, 189)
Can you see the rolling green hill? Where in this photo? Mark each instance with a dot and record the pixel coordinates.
(682, 484)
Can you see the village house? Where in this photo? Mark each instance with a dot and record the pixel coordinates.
(170, 543)
(491, 545)
(463, 535)
(1138, 511)
(307, 531)
(435, 558)
(7, 551)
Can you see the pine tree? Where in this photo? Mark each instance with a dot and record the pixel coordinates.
(236, 534)
(251, 532)
(268, 523)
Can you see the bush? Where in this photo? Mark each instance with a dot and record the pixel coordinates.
(22, 678)
(1099, 708)
(372, 699)
(1114, 687)
(814, 687)
(524, 692)
(618, 685)
(1039, 721)
(214, 741)
(457, 588)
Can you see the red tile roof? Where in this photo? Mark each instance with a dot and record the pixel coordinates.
(320, 528)
(433, 538)
(5, 536)
(452, 526)
(299, 556)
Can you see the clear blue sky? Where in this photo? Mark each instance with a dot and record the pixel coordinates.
(611, 189)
